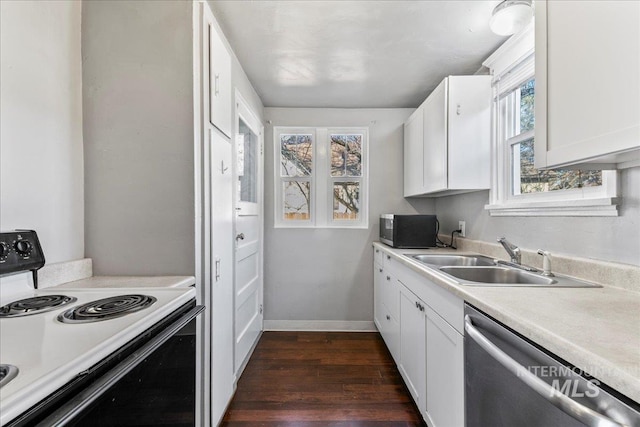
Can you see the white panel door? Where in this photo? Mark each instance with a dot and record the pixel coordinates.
(248, 226)
(221, 296)
(413, 153)
(412, 346)
(218, 76)
(435, 140)
(445, 372)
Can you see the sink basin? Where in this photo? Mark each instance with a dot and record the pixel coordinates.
(506, 276)
(454, 260)
(497, 275)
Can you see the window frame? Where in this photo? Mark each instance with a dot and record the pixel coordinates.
(513, 65)
(321, 199)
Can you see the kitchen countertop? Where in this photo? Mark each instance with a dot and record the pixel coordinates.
(112, 282)
(595, 329)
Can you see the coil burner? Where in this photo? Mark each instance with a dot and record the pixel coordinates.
(35, 305)
(7, 373)
(107, 308)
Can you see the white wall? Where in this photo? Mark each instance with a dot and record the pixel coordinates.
(41, 164)
(614, 239)
(327, 274)
(139, 135)
(138, 127)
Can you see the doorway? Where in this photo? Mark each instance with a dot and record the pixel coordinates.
(248, 205)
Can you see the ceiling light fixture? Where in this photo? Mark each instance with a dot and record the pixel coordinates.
(511, 16)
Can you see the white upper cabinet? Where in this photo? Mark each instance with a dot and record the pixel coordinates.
(588, 84)
(218, 80)
(413, 152)
(447, 150)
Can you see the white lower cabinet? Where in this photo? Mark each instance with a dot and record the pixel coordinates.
(412, 346)
(422, 325)
(445, 372)
(386, 301)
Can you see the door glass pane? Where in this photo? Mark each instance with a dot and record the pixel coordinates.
(297, 200)
(346, 155)
(346, 200)
(247, 146)
(528, 179)
(296, 155)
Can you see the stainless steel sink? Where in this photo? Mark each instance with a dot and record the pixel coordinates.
(507, 276)
(454, 260)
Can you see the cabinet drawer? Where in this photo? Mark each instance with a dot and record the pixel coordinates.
(446, 304)
(389, 263)
(377, 256)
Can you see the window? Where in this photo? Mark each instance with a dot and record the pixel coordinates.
(518, 129)
(518, 188)
(320, 177)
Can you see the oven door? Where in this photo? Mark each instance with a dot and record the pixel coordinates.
(144, 384)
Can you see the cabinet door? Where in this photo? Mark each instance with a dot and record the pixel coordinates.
(469, 132)
(413, 152)
(445, 372)
(219, 75)
(588, 69)
(412, 346)
(378, 307)
(435, 140)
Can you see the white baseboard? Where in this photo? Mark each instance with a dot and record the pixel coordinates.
(320, 325)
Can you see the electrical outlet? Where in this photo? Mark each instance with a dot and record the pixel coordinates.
(462, 228)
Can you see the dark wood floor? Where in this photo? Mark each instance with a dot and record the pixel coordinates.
(333, 379)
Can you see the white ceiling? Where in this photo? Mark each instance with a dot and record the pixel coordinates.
(355, 53)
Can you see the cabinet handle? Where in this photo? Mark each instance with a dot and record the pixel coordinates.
(388, 277)
(217, 84)
(380, 270)
(417, 305)
(377, 251)
(388, 317)
(458, 110)
(388, 256)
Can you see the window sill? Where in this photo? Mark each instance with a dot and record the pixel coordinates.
(343, 227)
(581, 207)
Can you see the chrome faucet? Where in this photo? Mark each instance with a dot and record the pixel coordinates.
(512, 250)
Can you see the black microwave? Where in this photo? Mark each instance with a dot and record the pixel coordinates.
(408, 231)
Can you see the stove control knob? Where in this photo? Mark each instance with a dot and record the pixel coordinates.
(4, 251)
(23, 247)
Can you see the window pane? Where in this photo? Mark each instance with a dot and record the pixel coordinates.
(346, 200)
(527, 179)
(527, 119)
(296, 155)
(346, 155)
(297, 200)
(247, 146)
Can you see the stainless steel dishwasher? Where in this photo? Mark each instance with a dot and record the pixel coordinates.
(511, 382)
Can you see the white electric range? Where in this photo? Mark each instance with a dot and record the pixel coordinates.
(72, 354)
(49, 353)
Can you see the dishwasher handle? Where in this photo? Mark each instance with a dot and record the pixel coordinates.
(578, 411)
